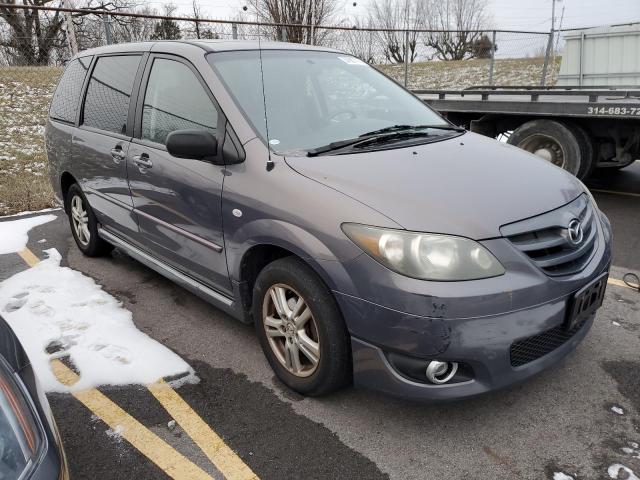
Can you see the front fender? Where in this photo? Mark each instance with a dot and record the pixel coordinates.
(320, 257)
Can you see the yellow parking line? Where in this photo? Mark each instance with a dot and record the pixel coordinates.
(148, 443)
(155, 449)
(28, 257)
(618, 283)
(613, 192)
(225, 459)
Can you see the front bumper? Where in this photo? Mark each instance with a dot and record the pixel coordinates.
(475, 323)
(482, 343)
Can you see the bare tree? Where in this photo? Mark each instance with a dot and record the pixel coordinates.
(389, 15)
(296, 12)
(31, 36)
(461, 19)
(360, 43)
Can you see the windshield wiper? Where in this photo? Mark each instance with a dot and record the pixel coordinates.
(400, 128)
(393, 132)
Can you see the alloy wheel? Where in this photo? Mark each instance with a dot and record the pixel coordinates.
(291, 330)
(80, 220)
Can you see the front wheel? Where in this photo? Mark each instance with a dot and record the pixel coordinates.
(300, 328)
(84, 225)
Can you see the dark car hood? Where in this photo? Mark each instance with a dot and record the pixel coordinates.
(469, 185)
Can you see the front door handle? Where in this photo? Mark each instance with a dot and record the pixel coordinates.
(142, 161)
(117, 154)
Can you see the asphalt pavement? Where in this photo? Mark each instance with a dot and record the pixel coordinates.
(560, 421)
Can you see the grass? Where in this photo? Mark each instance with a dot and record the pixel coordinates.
(25, 94)
(466, 73)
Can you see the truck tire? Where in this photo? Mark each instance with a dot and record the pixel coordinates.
(587, 150)
(551, 140)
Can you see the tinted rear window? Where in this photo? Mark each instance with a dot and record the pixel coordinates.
(67, 97)
(107, 102)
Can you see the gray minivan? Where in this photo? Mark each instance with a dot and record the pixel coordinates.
(299, 189)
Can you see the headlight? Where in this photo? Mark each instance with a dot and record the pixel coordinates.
(20, 437)
(424, 255)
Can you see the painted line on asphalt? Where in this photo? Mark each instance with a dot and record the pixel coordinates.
(28, 257)
(223, 457)
(618, 283)
(149, 444)
(170, 461)
(614, 192)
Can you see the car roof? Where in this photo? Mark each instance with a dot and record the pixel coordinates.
(207, 45)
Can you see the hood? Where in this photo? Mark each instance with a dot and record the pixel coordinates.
(469, 185)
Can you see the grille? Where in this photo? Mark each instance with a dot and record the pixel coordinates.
(545, 238)
(531, 348)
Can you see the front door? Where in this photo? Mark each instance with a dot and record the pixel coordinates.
(101, 142)
(178, 201)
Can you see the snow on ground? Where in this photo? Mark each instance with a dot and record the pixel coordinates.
(56, 311)
(13, 234)
(620, 472)
(562, 476)
(31, 212)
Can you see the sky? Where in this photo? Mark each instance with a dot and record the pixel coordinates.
(506, 14)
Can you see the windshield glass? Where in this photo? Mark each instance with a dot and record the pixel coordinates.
(315, 98)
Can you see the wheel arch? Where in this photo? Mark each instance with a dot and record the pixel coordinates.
(66, 180)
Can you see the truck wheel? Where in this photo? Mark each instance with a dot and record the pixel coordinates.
(550, 140)
(300, 328)
(587, 151)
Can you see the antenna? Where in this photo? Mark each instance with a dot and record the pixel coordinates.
(270, 163)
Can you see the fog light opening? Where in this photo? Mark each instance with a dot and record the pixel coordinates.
(441, 372)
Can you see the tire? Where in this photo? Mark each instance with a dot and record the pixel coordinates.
(553, 139)
(323, 327)
(587, 151)
(79, 211)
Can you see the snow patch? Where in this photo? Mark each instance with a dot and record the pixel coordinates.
(31, 212)
(58, 312)
(116, 433)
(14, 233)
(615, 469)
(562, 476)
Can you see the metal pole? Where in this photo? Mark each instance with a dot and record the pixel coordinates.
(581, 62)
(406, 58)
(493, 56)
(107, 27)
(234, 31)
(543, 80)
(406, 44)
(313, 22)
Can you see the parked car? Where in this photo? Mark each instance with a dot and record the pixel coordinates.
(298, 188)
(30, 447)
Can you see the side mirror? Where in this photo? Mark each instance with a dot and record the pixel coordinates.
(193, 144)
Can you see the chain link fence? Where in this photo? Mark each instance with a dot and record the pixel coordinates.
(419, 59)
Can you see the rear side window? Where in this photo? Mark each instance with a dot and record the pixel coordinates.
(67, 97)
(106, 105)
(175, 100)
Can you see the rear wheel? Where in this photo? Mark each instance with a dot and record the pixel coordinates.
(84, 225)
(300, 328)
(551, 140)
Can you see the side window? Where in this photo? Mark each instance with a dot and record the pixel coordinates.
(64, 105)
(175, 100)
(107, 102)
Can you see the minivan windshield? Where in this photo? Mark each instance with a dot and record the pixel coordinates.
(314, 99)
